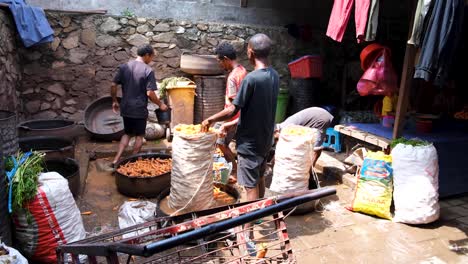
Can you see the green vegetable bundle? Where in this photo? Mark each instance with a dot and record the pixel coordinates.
(26, 179)
(171, 81)
(411, 142)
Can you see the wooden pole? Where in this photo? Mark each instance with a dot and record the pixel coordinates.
(405, 89)
(406, 80)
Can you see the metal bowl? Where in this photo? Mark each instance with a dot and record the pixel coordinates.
(147, 187)
(101, 122)
(53, 147)
(47, 127)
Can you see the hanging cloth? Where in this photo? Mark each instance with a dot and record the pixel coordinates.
(373, 20)
(440, 41)
(31, 23)
(422, 9)
(340, 16)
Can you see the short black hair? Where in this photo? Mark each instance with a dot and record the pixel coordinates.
(145, 50)
(261, 45)
(226, 49)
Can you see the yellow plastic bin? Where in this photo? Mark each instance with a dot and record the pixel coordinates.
(181, 101)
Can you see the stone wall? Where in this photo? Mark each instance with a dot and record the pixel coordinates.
(62, 78)
(259, 12)
(10, 69)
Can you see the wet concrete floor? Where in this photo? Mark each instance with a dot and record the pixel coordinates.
(329, 235)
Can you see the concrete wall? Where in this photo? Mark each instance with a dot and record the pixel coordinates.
(261, 12)
(10, 68)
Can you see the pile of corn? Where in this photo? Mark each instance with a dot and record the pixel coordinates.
(296, 131)
(190, 129)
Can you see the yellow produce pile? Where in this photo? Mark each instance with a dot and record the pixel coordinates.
(296, 131)
(462, 114)
(223, 196)
(218, 165)
(190, 129)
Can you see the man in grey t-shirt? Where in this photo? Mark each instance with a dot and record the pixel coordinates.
(313, 117)
(138, 85)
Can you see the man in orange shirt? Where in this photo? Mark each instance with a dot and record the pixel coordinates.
(227, 59)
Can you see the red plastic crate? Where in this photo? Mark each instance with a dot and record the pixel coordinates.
(309, 66)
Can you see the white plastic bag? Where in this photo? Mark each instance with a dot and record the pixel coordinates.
(416, 184)
(293, 161)
(13, 257)
(53, 219)
(192, 172)
(136, 212)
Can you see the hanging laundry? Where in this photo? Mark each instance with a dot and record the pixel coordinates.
(422, 9)
(440, 41)
(340, 16)
(373, 20)
(31, 23)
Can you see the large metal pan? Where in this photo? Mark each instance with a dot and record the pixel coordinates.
(48, 127)
(147, 187)
(101, 122)
(53, 147)
(200, 64)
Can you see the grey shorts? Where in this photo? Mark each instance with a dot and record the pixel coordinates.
(250, 169)
(231, 133)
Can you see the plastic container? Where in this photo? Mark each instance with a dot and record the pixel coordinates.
(181, 101)
(309, 66)
(281, 106)
(388, 121)
(164, 117)
(424, 126)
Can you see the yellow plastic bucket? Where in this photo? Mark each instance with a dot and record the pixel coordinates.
(181, 101)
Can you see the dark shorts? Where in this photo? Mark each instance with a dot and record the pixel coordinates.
(134, 126)
(250, 169)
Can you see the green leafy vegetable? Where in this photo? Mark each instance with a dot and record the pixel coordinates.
(25, 181)
(171, 81)
(411, 142)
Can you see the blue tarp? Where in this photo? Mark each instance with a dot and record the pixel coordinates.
(31, 23)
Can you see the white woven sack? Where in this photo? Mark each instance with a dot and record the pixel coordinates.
(56, 219)
(293, 161)
(136, 212)
(416, 184)
(192, 168)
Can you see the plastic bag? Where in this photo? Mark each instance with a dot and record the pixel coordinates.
(380, 78)
(136, 212)
(374, 186)
(13, 257)
(53, 219)
(192, 172)
(416, 183)
(293, 161)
